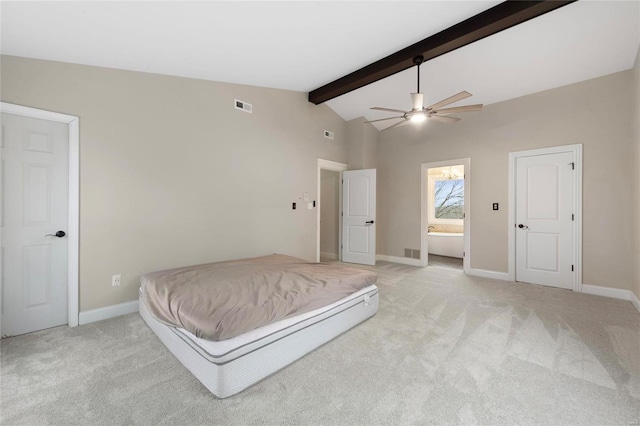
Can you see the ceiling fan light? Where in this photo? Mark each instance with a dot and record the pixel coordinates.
(418, 117)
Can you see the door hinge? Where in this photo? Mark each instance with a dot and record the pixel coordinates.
(463, 215)
(464, 254)
(573, 166)
(573, 217)
(571, 268)
(341, 213)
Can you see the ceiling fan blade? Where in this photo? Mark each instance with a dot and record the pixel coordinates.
(382, 119)
(455, 98)
(395, 125)
(465, 108)
(388, 109)
(444, 119)
(418, 101)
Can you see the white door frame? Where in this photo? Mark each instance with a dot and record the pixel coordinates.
(74, 195)
(424, 206)
(577, 208)
(336, 167)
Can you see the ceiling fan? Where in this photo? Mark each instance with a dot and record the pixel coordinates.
(435, 111)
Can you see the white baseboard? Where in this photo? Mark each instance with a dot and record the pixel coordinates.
(635, 301)
(403, 260)
(108, 312)
(331, 256)
(615, 293)
(503, 276)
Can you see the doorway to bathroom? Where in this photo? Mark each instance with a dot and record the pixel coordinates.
(445, 218)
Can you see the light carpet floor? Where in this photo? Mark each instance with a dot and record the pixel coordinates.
(444, 348)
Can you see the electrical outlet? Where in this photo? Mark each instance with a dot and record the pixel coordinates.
(115, 280)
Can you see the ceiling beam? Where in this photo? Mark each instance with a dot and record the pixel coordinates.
(491, 21)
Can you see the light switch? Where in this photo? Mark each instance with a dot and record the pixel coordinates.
(310, 206)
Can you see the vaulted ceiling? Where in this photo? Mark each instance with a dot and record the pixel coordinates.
(304, 45)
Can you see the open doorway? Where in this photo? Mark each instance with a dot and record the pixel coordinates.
(445, 214)
(329, 229)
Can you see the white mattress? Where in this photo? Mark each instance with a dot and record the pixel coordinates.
(229, 366)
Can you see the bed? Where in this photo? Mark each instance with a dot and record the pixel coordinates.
(235, 323)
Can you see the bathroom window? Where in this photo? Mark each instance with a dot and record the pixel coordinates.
(446, 200)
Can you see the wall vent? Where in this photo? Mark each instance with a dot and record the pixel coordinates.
(243, 106)
(328, 134)
(416, 254)
(407, 253)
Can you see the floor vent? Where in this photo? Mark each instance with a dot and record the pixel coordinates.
(242, 106)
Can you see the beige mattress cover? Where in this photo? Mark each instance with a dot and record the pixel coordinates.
(217, 301)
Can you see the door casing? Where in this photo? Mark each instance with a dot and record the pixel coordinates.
(74, 197)
(576, 150)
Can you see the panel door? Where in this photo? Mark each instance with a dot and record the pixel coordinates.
(34, 293)
(544, 216)
(359, 216)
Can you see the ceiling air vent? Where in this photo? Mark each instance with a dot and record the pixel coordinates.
(242, 106)
(328, 134)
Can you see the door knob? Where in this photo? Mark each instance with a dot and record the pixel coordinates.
(369, 222)
(521, 226)
(58, 234)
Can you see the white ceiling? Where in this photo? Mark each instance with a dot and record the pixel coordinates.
(304, 45)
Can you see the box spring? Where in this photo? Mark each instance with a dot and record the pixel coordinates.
(230, 366)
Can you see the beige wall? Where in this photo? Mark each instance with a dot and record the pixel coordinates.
(596, 113)
(329, 214)
(171, 174)
(636, 178)
(370, 147)
(354, 139)
(362, 141)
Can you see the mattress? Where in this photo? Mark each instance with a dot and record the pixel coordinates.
(229, 366)
(221, 300)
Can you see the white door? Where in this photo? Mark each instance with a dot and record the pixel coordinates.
(544, 219)
(34, 208)
(359, 216)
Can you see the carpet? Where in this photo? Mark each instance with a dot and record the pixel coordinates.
(444, 348)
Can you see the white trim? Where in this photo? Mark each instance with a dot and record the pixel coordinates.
(614, 293)
(107, 312)
(336, 167)
(576, 149)
(73, 232)
(634, 301)
(403, 260)
(330, 256)
(502, 276)
(424, 208)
